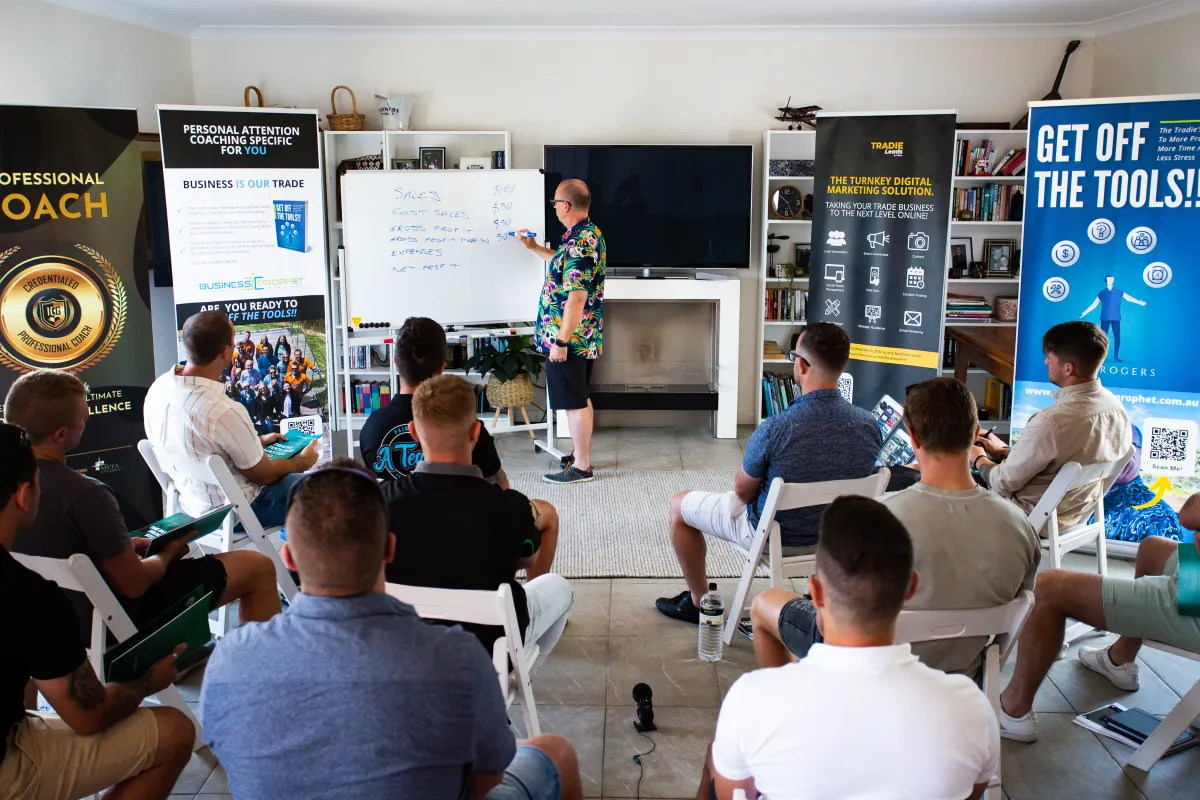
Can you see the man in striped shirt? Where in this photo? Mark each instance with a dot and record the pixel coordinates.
(188, 414)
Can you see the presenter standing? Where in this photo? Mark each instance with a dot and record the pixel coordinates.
(570, 320)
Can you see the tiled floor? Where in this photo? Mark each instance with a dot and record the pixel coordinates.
(616, 639)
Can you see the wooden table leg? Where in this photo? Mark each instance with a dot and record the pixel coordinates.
(527, 422)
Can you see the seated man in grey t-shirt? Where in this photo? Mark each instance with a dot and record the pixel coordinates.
(820, 437)
(971, 548)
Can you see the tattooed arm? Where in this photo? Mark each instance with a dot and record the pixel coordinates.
(500, 479)
(1189, 515)
(88, 706)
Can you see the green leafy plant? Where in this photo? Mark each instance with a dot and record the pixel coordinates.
(516, 356)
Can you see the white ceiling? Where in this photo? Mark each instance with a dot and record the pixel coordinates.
(219, 18)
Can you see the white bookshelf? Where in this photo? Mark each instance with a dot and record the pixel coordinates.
(777, 145)
(391, 145)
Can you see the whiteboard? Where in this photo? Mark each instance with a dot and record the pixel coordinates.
(436, 243)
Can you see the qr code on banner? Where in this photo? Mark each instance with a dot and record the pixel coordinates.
(1172, 446)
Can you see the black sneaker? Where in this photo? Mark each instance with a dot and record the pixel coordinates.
(679, 607)
(569, 475)
(193, 660)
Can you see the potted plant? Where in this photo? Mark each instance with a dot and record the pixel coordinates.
(511, 364)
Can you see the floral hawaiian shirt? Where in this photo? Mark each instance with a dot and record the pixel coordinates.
(578, 264)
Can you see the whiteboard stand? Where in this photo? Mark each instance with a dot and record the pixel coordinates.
(548, 446)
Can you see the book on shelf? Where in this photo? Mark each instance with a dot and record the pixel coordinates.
(779, 393)
(949, 351)
(785, 305)
(967, 307)
(772, 350)
(985, 160)
(991, 202)
(368, 396)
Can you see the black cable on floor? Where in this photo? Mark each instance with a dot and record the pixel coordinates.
(638, 760)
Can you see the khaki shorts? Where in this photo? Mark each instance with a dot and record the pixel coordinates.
(1146, 608)
(46, 760)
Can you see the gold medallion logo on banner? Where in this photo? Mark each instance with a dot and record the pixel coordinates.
(57, 311)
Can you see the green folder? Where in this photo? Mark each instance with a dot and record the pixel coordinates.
(185, 622)
(295, 441)
(181, 526)
(1188, 586)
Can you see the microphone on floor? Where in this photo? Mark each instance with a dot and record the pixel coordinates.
(643, 696)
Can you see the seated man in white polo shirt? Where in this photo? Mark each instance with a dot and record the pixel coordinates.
(790, 732)
(188, 414)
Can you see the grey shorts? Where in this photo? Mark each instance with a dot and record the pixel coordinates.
(798, 626)
(1145, 608)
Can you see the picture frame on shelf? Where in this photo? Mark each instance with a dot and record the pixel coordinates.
(998, 257)
(803, 259)
(962, 253)
(474, 163)
(977, 269)
(406, 163)
(432, 157)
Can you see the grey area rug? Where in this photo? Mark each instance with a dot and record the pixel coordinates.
(616, 526)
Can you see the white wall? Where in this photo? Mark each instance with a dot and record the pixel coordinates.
(624, 88)
(56, 56)
(1163, 58)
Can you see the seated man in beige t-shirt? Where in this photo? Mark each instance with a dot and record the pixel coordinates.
(971, 549)
(1087, 424)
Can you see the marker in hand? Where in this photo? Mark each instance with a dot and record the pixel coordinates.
(528, 234)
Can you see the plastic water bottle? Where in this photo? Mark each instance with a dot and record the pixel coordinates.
(712, 618)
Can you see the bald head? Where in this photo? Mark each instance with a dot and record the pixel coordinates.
(577, 193)
(205, 337)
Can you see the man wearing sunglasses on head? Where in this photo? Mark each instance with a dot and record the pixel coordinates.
(820, 437)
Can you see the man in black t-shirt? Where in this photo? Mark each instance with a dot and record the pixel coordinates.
(100, 737)
(79, 514)
(455, 530)
(388, 447)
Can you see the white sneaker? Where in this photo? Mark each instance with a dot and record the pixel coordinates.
(1123, 677)
(1018, 729)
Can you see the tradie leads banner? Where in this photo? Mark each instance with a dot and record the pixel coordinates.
(1111, 212)
(70, 296)
(880, 224)
(247, 222)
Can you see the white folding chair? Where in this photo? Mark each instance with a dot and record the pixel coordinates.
(1083, 534)
(785, 497)
(1002, 623)
(79, 574)
(212, 470)
(1182, 715)
(484, 608)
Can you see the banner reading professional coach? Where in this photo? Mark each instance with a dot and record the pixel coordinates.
(1112, 206)
(244, 201)
(70, 295)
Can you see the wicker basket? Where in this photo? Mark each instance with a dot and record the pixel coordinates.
(345, 122)
(246, 96)
(510, 394)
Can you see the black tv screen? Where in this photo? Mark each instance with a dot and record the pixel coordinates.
(661, 205)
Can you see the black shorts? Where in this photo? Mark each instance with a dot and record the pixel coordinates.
(798, 626)
(567, 382)
(180, 578)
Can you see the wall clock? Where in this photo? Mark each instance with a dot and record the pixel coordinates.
(787, 202)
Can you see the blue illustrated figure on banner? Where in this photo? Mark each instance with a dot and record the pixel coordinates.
(1112, 203)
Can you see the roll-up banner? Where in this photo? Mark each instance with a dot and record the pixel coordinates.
(71, 297)
(247, 222)
(881, 217)
(1111, 211)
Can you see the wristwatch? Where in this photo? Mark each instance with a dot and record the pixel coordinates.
(560, 343)
(975, 463)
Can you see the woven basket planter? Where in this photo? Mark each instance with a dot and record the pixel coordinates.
(510, 394)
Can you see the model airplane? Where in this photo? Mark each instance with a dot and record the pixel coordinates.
(796, 118)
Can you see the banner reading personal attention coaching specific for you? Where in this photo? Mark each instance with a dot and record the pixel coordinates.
(244, 192)
(881, 214)
(1111, 213)
(71, 297)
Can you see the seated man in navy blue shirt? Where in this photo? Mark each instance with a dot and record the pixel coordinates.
(821, 437)
(350, 694)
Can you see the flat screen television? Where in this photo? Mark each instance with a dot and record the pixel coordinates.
(680, 206)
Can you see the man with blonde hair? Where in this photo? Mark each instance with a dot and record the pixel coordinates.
(79, 514)
(455, 530)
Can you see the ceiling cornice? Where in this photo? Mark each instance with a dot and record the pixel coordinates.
(167, 23)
